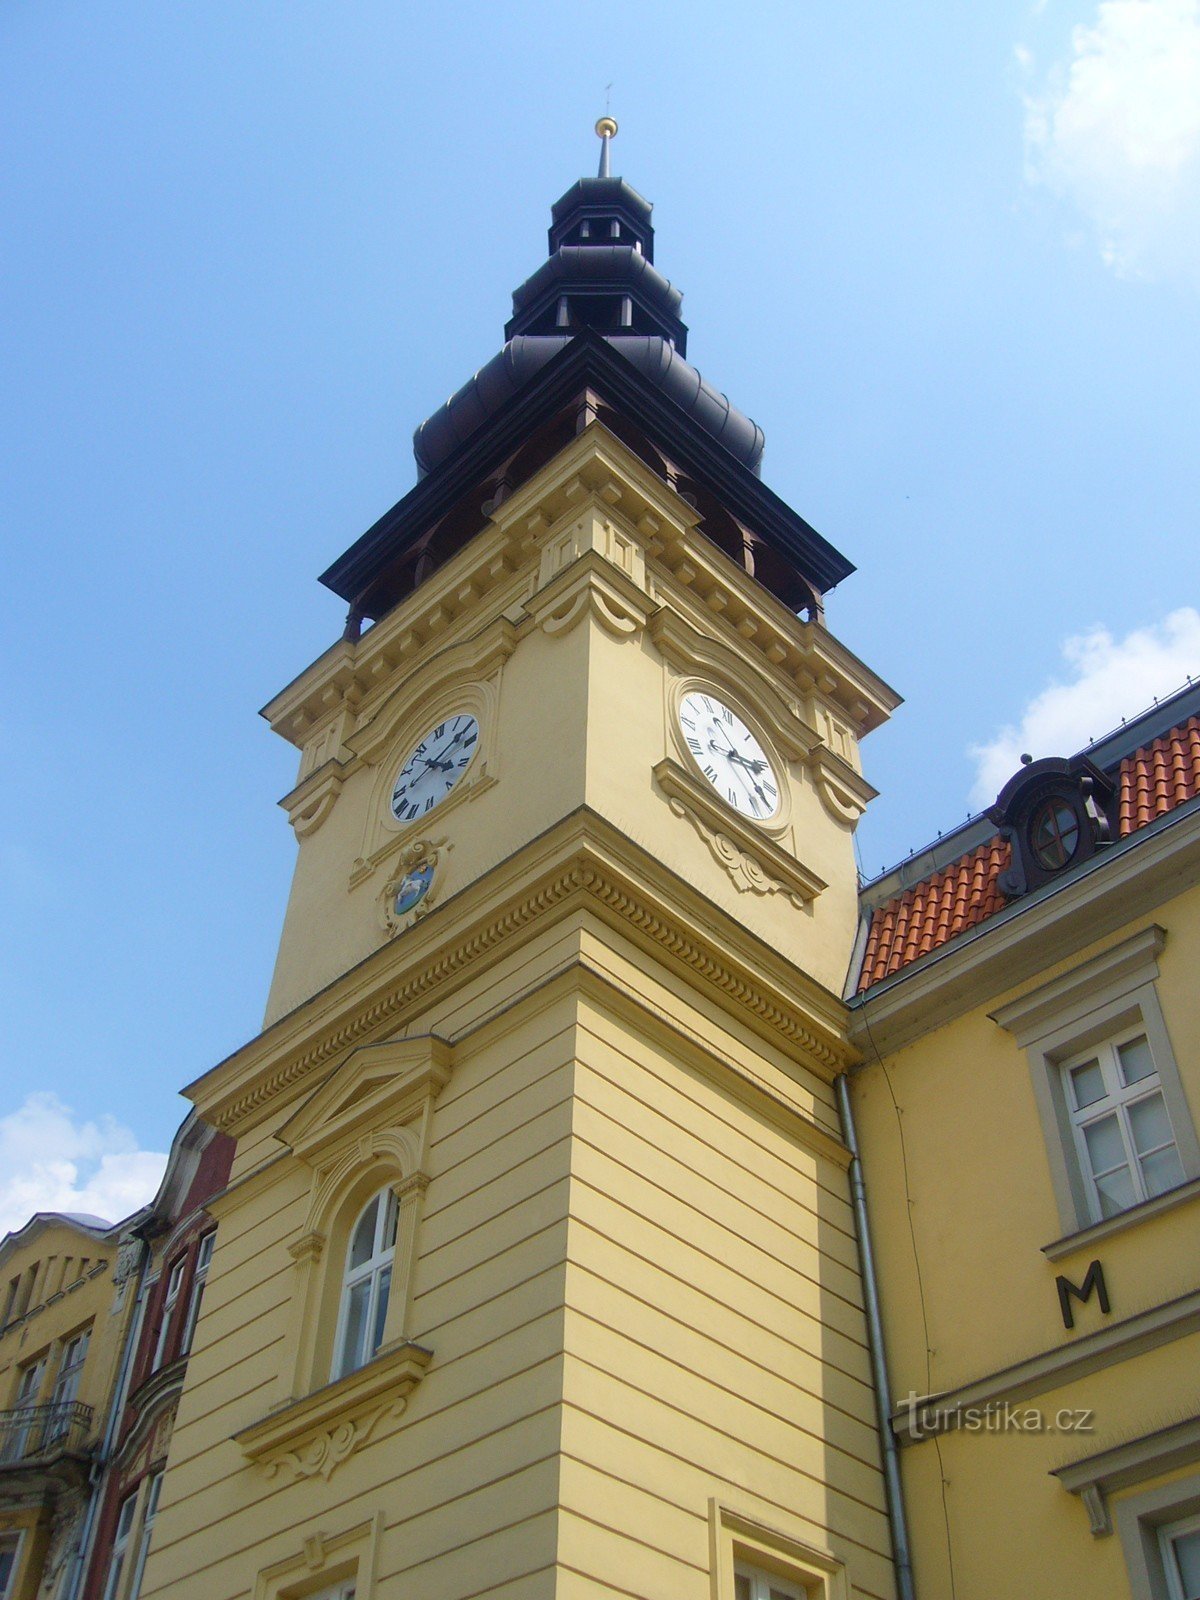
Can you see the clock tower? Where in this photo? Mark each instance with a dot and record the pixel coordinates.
(537, 1275)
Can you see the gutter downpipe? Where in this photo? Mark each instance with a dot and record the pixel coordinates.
(99, 1474)
(892, 1485)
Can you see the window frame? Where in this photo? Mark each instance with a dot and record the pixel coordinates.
(120, 1545)
(166, 1311)
(1119, 1096)
(25, 1399)
(151, 1486)
(204, 1252)
(8, 1587)
(742, 1545)
(1141, 1521)
(379, 1265)
(1110, 996)
(68, 1374)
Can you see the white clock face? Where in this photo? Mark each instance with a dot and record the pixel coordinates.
(729, 755)
(433, 767)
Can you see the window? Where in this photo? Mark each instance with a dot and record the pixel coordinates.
(1180, 1546)
(66, 1385)
(20, 1431)
(366, 1285)
(757, 1562)
(10, 1551)
(1127, 1149)
(154, 1484)
(1116, 1121)
(329, 1566)
(116, 1561)
(203, 1258)
(1054, 834)
(170, 1300)
(750, 1584)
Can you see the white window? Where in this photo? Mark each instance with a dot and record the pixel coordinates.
(20, 1434)
(66, 1384)
(170, 1301)
(1118, 1127)
(1180, 1546)
(10, 1551)
(749, 1583)
(154, 1484)
(340, 1591)
(1124, 1138)
(120, 1549)
(366, 1285)
(199, 1277)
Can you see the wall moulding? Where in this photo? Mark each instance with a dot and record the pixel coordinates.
(586, 863)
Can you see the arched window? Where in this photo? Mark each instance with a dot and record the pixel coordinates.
(366, 1285)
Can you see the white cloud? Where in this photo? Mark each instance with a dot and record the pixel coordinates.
(1116, 133)
(50, 1161)
(1112, 678)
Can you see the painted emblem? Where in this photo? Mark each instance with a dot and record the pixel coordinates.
(412, 889)
(413, 884)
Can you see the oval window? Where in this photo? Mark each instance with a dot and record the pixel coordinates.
(1054, 834)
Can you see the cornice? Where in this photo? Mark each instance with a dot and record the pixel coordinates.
(489, 578)
(581, 863)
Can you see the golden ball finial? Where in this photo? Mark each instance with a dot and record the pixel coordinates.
(606, 127)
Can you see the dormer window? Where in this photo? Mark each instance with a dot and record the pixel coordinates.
(1055, 815)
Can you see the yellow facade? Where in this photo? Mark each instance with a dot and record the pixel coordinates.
(624, 1342)
(1039, 1458)
(61, 1338)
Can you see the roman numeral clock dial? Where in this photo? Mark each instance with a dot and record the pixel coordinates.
(433, 767)
(729, 755)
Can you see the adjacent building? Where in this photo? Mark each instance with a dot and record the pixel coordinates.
(1028, 1106)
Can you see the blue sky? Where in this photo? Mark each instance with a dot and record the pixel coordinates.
(946, 255)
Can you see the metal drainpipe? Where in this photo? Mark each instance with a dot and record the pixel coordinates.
(892, 1486)
(99, 1469)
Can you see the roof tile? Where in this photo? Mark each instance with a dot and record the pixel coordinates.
(1152, 781)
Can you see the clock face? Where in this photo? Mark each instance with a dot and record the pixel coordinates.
(729, 755)
(433, 767)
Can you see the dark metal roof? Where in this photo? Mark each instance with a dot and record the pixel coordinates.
(454, 423)
(544, 378)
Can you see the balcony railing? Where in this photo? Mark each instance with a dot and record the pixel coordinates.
(33, 1434)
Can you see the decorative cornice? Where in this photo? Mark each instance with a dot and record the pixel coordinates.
(313, 1436)
(593, 587)
(844, 793)
(378, 993)
(751, 859)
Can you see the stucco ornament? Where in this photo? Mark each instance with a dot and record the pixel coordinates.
(322, 1455)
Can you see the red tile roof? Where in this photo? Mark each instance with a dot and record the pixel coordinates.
(1152, 781)
(1159, 777)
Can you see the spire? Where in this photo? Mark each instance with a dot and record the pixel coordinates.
(606, 129)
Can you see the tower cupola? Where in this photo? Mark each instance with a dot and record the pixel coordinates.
(599, 278)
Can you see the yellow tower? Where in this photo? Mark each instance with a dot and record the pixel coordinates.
(537, 1275)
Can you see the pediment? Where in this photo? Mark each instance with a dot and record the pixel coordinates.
(376, 1085)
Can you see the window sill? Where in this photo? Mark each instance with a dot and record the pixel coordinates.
(316, 1434)
(1092, 1235)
